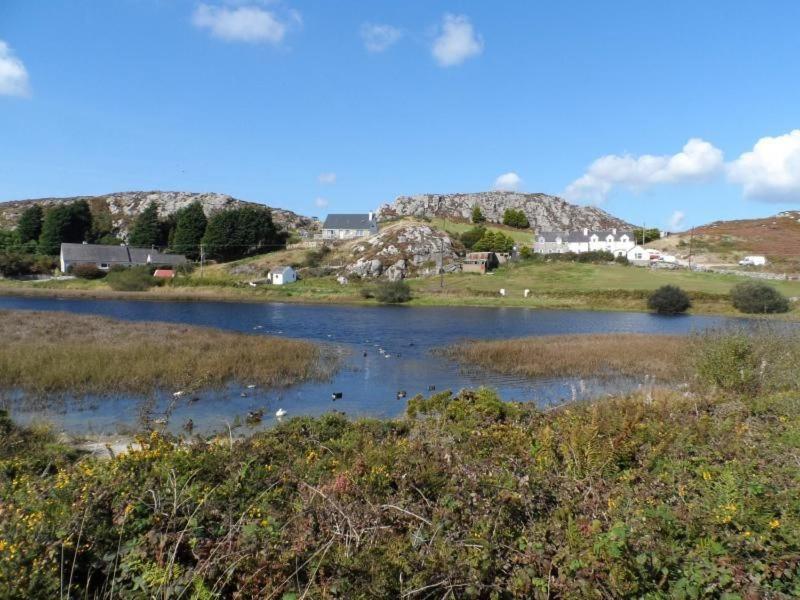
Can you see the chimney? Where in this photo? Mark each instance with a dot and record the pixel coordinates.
(585, 231)
(614, 231)
(370, 215)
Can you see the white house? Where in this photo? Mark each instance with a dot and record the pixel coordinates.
(282, 275)
(642, 256)
(618, 242)
(349, 226)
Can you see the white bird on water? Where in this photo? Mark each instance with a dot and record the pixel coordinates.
(280, 413)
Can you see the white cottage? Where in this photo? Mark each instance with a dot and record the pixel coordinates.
(282, 275)
(618, 242)
(349, 226)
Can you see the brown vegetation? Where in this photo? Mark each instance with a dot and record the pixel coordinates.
(50, 352)
(660, 356)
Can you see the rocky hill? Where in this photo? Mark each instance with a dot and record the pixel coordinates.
(545, 213)
(123, 207)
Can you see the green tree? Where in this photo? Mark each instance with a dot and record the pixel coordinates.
(240, 232)
(477, 215)
(645, 236)
(189, 230)
(515, 218)
(757, 297)
(29, 227)
(146, 230)
(471, 237)
(494, 241)
(65, 223)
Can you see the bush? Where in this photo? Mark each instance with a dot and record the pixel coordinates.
(14, 264)
(757, 297)
(729, 363)
(515, 218)
(477, 215)
(669, 300)
(622, 260)
(87, 272)
(392, 292)
(472, 236)
(134, 279)
(526, 253)
(314, 258)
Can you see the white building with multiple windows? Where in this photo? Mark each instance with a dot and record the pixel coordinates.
(616, 241)
(349, 226)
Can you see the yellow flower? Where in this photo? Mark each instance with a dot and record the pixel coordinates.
(774, 524)
(747, 533)
(783, 418)
(706, 475)
(3, 545)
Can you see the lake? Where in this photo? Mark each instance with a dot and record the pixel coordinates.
(369, 381)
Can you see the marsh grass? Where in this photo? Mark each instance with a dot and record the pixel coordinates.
(51, 352)
(665, 358)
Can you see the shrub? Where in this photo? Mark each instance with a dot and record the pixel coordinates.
(757, 297)
(392, 292)
(134, 279)
(729, 363)
(314, 258)
(669, 300)
(87, 272)
(471, 237)
(13, 264)
(515, 218)
(477, 215)
(526, 253)
(622, 260)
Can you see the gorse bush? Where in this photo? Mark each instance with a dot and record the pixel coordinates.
(515, 218)
(133, 279)
(669, 300)
(757, 297)
(87, 272)
(392, 292)
(646, 496)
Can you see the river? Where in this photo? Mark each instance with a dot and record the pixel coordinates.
(369, 381)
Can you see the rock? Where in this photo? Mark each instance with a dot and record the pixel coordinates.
(401, 250)
(124, 207)
(545, 213)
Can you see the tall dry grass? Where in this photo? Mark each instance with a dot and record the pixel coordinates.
(666, 358)
(52, 352)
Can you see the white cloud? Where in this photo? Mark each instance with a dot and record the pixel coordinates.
(321, 202)
(456, 42)
(697, 161)
(378, 38)
(771, 170)
(677, 219)
(13, 74)
(508, 182)
(249, 23)
(327, 178)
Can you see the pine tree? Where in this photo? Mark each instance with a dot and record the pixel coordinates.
(66, 223)
(477, 215)
(30, 224)
(240, 232)
(146, 228)
(189, 230)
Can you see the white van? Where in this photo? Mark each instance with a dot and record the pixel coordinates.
(753, 261)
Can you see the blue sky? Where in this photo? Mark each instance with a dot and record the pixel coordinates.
(672, 114)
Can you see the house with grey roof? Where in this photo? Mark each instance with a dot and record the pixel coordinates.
(107, 257)
(616, 241)
(349, 226)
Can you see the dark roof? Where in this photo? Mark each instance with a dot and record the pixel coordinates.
(578, 236)
(282, 270)
(348, 221)
(123, 255)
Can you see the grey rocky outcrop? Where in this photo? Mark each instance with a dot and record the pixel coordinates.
(123, 207)
(400, 251)
(545, 213)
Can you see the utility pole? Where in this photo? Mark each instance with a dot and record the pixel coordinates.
(691, 243)
(202, 259)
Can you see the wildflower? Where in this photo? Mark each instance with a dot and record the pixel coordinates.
(774, 524)
(783, 418)
(706, 475)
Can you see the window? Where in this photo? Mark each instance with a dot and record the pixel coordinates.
(638, 256)
(624, 239)
(594, 238)
(610, 238)
(103, 265)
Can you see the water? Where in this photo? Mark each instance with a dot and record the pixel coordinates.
(370, 383)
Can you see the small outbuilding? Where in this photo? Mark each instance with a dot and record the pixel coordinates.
(282, 275)
(480, 262)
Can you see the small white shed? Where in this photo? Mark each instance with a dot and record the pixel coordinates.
(640, 256)
(282, 275)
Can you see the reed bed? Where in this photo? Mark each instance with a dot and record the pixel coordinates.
(52, 352)
(665, 358)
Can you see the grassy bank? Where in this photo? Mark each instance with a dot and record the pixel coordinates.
(567, 286)
(662, 357)
(50, 352)
(664, 495)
